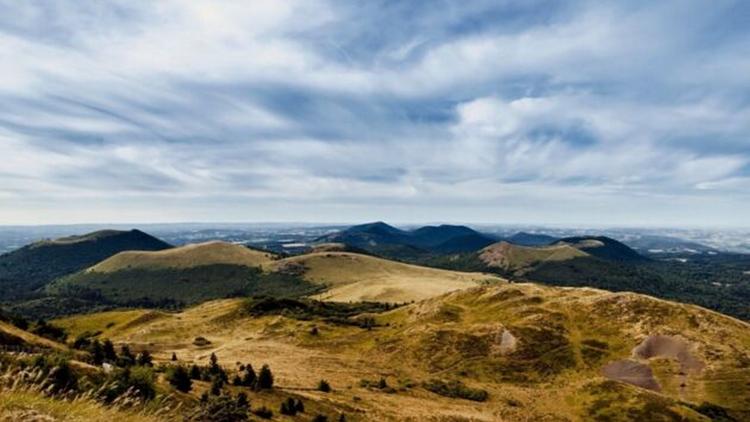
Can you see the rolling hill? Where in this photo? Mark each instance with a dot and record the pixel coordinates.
(488, 353)
(184, 275)
(355, 277)
(385, 240)
(531, 239)
(33, 266)
(194, 273)
(603, 247)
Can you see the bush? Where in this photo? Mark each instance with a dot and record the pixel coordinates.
(60, 376)
(265, 378)
(179, 378)
(140, 379)
(49, 331)
(216, 385)
(324, 386)
(320, 418)
(201, 341)
(455, 389)
(263, 412)
(144, 358)
(220, 409)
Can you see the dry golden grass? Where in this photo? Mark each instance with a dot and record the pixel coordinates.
(356, 277)
(194, 255)
(108, 324)
(512, 257)
(28, 338)
(564, 337)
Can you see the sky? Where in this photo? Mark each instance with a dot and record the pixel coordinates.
(629, 113)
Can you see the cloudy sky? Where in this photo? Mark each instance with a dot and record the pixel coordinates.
(577, 112)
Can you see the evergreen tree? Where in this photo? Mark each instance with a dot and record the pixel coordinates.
(126, 357)
(97, 353)
(242, 400)
(324, 386)
(249, 378)
(144, 358)
(342, 418)
(174, 357)
(382, 383)
(216, 385)
(195, 372)
(265, 378)
(299, 406)
(109, 351)
(179, 378)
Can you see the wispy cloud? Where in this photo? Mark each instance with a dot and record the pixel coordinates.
(631, 113)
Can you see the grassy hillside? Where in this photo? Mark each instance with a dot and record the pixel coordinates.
(185, 275)
(356, 277)
(537, 353)
(184, 257)
(518, 259)
(14, 337)
(30, 268)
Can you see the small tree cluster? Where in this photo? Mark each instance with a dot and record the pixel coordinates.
(291, 407)
(179, 377)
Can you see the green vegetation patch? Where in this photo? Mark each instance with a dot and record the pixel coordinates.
(455, 389)
(309, 309)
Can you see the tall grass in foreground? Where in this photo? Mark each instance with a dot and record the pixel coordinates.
(32, 394)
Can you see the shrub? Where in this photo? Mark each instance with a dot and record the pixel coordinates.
(109, 351)
(216, 385)
(179, 378)
(299, 406)
(201, 341)
(60, 376)
(265, 378)
(263, 412)
(174, 357)
(140, 380)
(320, 418)
(249, 378)
(288, 407)
(455, 389)
(195, 372)
(324, 386)
(220, 409)
(144, 358)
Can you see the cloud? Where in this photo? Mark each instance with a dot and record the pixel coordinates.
(336, 111)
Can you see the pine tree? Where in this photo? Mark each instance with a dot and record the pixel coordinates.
(97, 353)
(299, 406)
(265, 378)
(242, 400)
(216, 385)
(195, 372)
(324, 386)
(109, 351)
(179, 378)
(249, 379)
(144, 358)
(174, 357)
(126, 357)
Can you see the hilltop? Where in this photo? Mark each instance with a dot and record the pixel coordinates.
(524, 351)
(355, 277)
(184, 275)
(388, 241)
(194, 273)
(31, 267)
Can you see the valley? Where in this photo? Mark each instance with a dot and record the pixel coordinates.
(465, 336)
